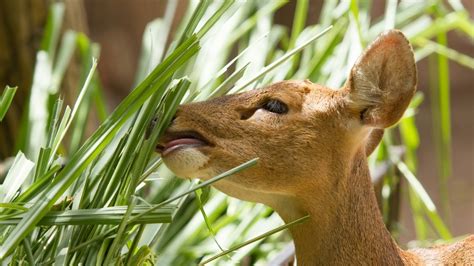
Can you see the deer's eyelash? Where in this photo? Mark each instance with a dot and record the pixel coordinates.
(275, 106)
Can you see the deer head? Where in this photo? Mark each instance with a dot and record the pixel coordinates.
(300, 131)
(312, 142)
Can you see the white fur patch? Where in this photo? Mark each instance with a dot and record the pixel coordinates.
(187, 162)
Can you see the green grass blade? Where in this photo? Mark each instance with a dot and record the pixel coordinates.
(110, 215)
(52, 29)
(194, 20)
(445, 124)
(298, 21)
(99, 101)
(417, 210)
(6, 99)
(62, 133)
(227, 84)
(12, 206)
(390, 14)
(204, 184)
(166, 202)
(279, 61)
(262, 236)
(16, 176)
(37, 109)
(66, 51)
(88, 52)
(443, 50)
(215, 17)
(36, 188)
(354, 9)
(249, 23)
(206, 219)
(29, 253)
(97, 142)
(425, 199)
(120, 231)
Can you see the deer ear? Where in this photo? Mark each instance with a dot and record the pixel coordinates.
(383, 80)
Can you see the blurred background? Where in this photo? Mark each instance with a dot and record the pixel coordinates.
(118, 26)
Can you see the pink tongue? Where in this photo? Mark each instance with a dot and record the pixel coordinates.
(183, 141)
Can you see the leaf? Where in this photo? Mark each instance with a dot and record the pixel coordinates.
(243, 244)
(109, 215)
(16, 176)
(6, 99)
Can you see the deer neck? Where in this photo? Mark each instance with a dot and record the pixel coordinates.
(345, 224)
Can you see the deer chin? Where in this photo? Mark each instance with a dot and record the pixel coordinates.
(185, 152)
(188, 161)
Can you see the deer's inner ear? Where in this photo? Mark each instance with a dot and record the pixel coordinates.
(383, 80)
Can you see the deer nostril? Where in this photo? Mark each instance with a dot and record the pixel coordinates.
(174, 118)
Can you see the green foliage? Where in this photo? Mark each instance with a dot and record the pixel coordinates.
(108, 199)
(5, 100)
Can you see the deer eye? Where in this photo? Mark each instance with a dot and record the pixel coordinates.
(275, 106)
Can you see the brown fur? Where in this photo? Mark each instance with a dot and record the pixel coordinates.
(313, 159)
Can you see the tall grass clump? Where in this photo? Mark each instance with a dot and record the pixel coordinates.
(106, 198)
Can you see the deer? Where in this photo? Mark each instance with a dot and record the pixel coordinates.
(312, 143)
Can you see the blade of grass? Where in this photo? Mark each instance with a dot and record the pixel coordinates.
(215, 17)
(282, 59)
(249, 23)
(109, 215)
(52, 29)
(441, 228)
(203, 184)
(38, 114)
(354, 9)
(88, 52)
(299, 21)
(390, 14)
(209, 89)
(120, 231)
(262, 236)
(227, 84)
(12, 206)
(134, 245)
(16, 176)
(6, 99)
(36, 188)
(421, 227)
(99, 101)
(332, 40)
(194, 20)
(445, 124)
(206, 219)
(80, 97)
(66, 50)
(171, 101)
(29, 253)
(98, 141)
(150, 169)
(452, 54)
(166, 202)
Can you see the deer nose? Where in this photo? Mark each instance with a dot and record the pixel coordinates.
(175, 116)
(173, 119)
